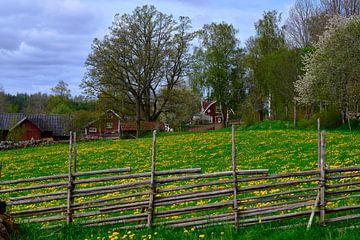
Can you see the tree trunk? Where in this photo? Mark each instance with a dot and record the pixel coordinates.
(222, 115)
(270, 107)
(295, 114)
(261, 115)
(147, 105)
(138, 116)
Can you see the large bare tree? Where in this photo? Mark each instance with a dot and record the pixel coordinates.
(298, 26)
(344, 8)
(308, 19)
(145, 51)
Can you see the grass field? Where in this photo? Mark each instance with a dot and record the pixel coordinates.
(277, 150)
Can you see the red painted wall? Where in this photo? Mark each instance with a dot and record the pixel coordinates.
(28, 131)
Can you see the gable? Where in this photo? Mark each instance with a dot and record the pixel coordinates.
(58, 124)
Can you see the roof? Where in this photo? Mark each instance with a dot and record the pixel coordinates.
(102, 115)
(207, 105)
(58, 124)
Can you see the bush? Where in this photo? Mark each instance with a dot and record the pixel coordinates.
(306, 123)
(330, 118)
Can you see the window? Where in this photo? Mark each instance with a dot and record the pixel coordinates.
(109, 125)
(92, 130)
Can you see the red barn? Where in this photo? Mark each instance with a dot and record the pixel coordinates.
(211, 109)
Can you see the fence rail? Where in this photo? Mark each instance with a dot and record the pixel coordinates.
(185, 197)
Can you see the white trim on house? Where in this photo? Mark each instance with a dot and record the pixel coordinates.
(209, 106)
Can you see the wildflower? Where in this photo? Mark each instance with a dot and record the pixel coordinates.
(201, 235)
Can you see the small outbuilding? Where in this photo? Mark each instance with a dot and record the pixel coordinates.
(21, 127)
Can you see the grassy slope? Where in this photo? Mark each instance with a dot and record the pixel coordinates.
(278, 150)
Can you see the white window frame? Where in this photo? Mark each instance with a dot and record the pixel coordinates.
(109, 125)
(92, 130)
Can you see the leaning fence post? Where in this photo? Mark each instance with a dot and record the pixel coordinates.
(233, 151)
(151, 209)
(322, 179)
(70, 185)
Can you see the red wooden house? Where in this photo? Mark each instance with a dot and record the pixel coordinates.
(111, 125)
(20, 127)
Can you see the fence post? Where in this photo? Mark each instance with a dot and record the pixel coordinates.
(73, 175)
(233, 151)
(151, 209)
(319, 142)
(0, 170)
(75, 155)
(70, 185)
(322, 182)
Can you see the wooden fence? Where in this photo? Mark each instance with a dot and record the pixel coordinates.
(185, 197)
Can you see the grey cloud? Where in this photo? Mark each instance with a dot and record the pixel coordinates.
(42, 42)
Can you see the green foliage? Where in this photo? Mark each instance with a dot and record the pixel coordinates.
(306, 123)
(145, 51)
(330, 118)
(331, 72)
(218, 65)
(61, 89)
(272, 69)
(182, 105)
(82, 118)
(269, 36)
(16, 134)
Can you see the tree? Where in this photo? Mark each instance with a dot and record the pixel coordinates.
(60, 102)
(218, 65)
(298, 24)
(3, 101)
(61, 89)
(183, 104)
(37, 103)
(332, 72)
(269, 39)
(281, 69)
(344, 8)
(145, 51)
(308, 19)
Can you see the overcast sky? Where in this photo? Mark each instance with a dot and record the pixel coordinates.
(45, 41)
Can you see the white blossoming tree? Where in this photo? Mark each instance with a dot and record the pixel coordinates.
(332, 71)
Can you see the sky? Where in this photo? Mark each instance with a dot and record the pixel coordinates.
(45, 41)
